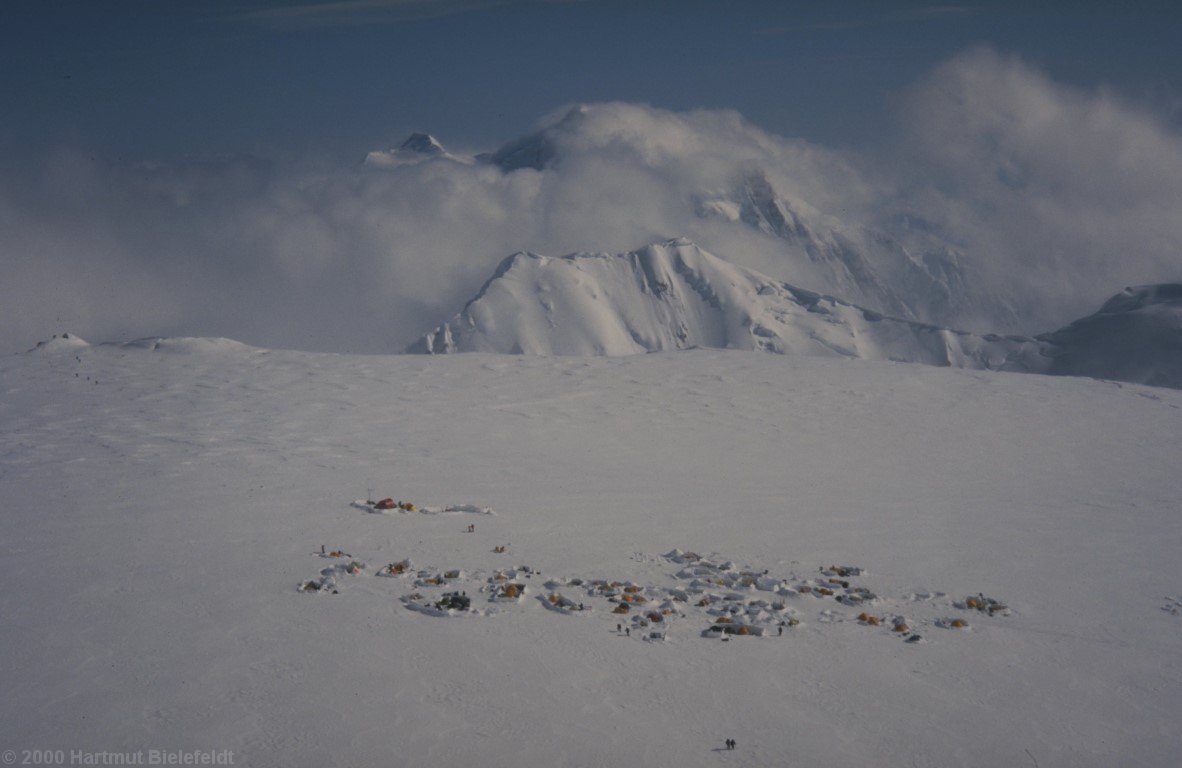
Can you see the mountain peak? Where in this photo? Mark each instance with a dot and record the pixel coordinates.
(423, 143)
(417, 148)
(538, 150)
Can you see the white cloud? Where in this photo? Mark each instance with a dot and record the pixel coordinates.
(1062, 195)
(1056, 197)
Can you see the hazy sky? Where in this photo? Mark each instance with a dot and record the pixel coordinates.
(194, 168)
(149, 78)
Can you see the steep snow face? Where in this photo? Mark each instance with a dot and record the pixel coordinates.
(417, 148)
(538, 150)
(617, 175)
(1136, 336)
(674, 295)
(423, 143)
(898, 265)
(897, 268)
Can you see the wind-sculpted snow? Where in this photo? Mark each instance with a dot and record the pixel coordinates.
(674, 295)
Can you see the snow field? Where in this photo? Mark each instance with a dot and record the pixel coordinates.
(158, 523)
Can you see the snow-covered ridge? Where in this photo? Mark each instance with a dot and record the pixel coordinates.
(187, 345)
(179, 345)
(60, 342)
(1136, 336)
(674, 295)
(900, 266)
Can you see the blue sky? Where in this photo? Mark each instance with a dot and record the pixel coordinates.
(194, 168)
(141, 79)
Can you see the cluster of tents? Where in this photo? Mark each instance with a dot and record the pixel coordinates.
(737, 601)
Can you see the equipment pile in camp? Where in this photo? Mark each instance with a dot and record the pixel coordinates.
(713, 596)
(388, 504)
(985, 605)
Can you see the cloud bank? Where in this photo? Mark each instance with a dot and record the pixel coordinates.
(1050, 198)
(1063, 195)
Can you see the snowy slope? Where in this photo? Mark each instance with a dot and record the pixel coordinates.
(898, 265)
(61, 342)
(1135, 336)
(674, 295)
(897, 268)
(161, 509)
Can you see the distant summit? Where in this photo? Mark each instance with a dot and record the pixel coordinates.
(901, 267)
(418, 148)
(794, 210)
(423, 143)
(538, 150)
